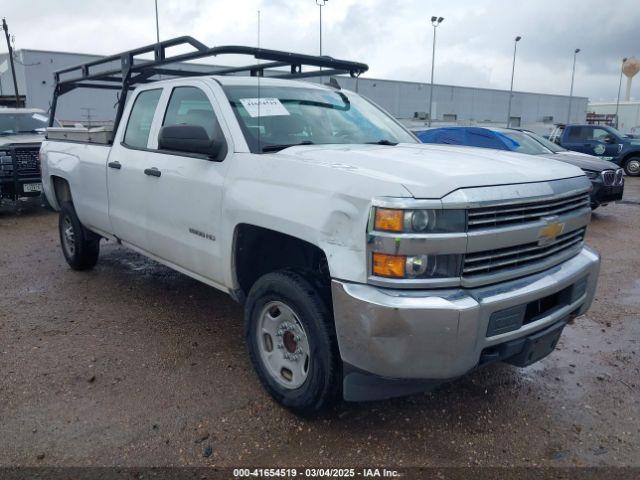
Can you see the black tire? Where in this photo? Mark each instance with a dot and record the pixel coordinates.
(82, 251)
(305, 296)
(632, 166)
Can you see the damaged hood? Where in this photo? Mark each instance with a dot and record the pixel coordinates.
(433, 171)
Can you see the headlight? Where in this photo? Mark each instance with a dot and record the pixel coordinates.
(420, 221)
(416, 266)
(591, 174)
(6, 163)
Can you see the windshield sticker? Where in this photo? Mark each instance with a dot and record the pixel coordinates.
(263, 107)
(37, 116)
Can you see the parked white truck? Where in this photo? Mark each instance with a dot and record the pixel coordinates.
(370, 265)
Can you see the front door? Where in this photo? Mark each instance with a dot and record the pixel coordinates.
(183, 207)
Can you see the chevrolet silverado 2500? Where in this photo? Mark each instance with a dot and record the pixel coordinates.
(370, 265)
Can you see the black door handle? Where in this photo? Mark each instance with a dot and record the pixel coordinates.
(116, 165)
(154, 172)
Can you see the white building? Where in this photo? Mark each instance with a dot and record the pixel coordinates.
(628, 113)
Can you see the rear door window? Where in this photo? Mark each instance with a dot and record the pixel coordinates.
(139, 125)
(577, 134)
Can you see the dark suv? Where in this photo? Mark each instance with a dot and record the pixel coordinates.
(21, 132)
(602, 141)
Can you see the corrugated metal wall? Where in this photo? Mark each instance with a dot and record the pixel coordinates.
(473, 105)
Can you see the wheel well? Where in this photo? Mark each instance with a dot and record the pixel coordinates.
(629, 156)
(61, 189)
(259, 251)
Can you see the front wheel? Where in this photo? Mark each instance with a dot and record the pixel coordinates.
(632, 167)
(291, 339)
(79, 246)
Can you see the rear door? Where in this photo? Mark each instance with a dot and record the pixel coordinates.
(128, 185)
(576, 139)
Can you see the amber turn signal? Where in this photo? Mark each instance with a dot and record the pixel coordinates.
(389, 220)
(389, 265)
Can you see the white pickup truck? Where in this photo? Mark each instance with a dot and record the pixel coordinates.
(370, 265)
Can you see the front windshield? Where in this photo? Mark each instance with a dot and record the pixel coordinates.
(14, 123)
(284, 116)
(554, 147)
(523, 143)
(614, 131)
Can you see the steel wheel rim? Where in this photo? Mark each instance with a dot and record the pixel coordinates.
(68, 236)
(634, 167)
(283, 345)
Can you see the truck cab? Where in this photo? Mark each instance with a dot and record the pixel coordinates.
(601, 141)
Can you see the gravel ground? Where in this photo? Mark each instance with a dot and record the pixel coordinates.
(133, 364)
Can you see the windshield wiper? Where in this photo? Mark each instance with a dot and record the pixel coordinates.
(383, 142)
(277, 148)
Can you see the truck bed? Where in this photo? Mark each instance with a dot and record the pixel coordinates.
(101, 135)
(83, 166)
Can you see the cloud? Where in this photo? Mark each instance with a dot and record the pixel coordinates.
(474, 44)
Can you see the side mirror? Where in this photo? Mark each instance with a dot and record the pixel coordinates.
(188, 139)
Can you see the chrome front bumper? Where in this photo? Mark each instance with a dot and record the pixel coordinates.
(441, 334)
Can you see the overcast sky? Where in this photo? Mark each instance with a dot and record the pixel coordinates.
(474, 45)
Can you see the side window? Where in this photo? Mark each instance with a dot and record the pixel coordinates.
(190, 106)
(139, 124)
(600, 134)
(577, 134)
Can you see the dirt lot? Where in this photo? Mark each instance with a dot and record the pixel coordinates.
(132, 364)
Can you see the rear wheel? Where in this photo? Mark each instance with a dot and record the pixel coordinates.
(632, 167)
(79, 246)
(291, 340)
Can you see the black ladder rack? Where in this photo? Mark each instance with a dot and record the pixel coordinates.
(132, 72)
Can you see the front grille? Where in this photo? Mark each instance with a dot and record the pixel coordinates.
(27, 161)
(619, 176)
(515, 214)
(491, 261)
(609, 177)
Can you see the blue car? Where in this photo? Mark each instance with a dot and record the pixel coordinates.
(606, 177)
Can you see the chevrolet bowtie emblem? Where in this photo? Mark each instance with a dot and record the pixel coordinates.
(549, 233)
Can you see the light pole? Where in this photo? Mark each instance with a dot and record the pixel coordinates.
(321, 3)
(435, 21)
(157, 24)
(573, 73)
(513, 69)
(619, 87)
(5, 27)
